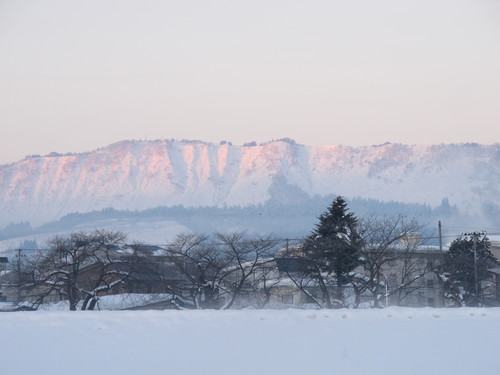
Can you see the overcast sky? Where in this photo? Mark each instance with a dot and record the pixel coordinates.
(77, 75)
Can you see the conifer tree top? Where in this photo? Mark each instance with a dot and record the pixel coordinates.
(337, 219)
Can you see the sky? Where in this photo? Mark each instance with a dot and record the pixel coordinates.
(78, 75)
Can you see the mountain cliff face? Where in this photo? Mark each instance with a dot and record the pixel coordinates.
(137, 175)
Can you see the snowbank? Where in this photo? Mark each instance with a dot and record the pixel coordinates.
(392, 341)
(114, 302)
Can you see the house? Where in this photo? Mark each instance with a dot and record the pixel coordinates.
(409, 276)
(412, 280)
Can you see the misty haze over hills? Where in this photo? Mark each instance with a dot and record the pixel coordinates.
(278, 187)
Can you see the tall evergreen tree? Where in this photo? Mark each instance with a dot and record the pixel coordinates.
(460, 264)
(334, 247)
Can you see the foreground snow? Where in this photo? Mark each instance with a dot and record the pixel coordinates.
(392, 341)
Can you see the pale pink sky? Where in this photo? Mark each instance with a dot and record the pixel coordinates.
(77, 75)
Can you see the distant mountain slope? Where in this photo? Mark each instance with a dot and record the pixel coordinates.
(137, 175)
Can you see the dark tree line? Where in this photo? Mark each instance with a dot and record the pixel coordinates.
(291, 211)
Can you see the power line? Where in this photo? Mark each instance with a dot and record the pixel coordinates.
(467, 227)
(264, 241)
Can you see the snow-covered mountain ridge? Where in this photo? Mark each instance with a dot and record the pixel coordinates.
(136, 175)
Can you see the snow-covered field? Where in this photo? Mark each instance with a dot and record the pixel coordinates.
(392, 341)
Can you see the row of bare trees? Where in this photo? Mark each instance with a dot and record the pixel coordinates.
(339, 264)
(197, 271)
(219, 269)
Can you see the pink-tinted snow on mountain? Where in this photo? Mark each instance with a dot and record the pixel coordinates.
(144, 174)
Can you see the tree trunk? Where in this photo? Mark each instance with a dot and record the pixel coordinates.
(72, 298)
(85, 302)
(357, 299)
(339, 293)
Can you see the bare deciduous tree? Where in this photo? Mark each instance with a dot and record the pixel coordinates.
(201, 267)
(386, 240)
(219, 269)
(77, 267)
(245, 254)
(263, 281)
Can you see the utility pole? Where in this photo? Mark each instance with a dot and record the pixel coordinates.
(386, 282)
(18, 276)
(476, 282)
(440, 236)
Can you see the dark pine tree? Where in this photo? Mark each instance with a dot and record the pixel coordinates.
(459, 265)
(334, 246)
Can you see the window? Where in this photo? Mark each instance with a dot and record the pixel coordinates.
(430, 283)
(430, 302)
